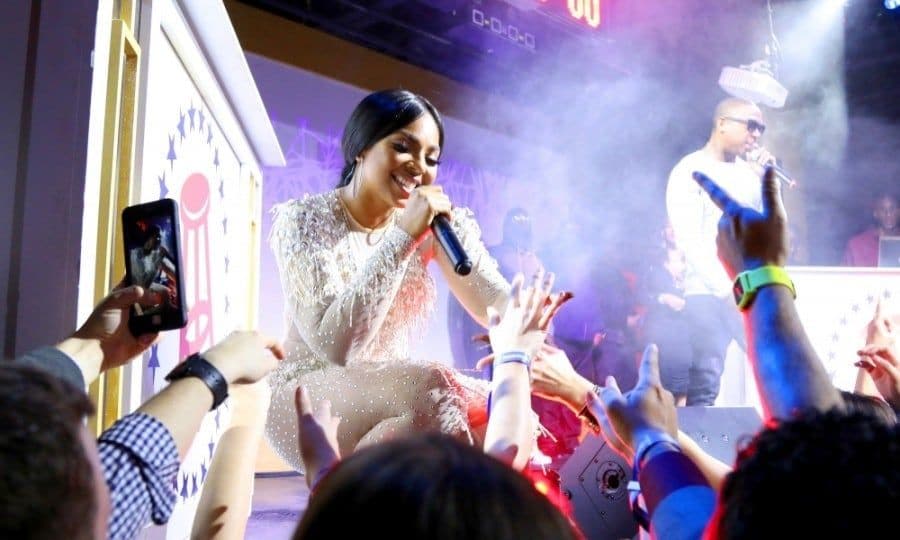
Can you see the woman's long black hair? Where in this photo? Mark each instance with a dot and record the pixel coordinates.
(378, 115)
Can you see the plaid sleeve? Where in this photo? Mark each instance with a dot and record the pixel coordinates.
(140, 460)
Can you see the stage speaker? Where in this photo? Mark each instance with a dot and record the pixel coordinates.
(595, 477)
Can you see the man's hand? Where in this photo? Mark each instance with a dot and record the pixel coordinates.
(245, 357)
(554, 378)
(748, 239)
(104, 341)
(648, 407)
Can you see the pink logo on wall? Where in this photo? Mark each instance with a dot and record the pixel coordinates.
(194, 213)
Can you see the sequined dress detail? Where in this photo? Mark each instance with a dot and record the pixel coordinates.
(353, 307)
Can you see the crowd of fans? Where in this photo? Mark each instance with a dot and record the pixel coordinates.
(826, 464)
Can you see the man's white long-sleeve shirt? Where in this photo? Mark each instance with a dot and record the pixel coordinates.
(695, 218)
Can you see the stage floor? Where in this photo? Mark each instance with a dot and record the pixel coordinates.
(278, 502)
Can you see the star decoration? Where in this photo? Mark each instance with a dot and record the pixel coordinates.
(154, 357)
(181, 126)
(163, 189)
(191, 112)
(171, 156)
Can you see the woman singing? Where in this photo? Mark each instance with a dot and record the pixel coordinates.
(353, 264)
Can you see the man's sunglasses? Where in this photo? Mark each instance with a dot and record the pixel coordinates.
(752, 125)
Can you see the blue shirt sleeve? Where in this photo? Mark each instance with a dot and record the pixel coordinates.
(679, 499)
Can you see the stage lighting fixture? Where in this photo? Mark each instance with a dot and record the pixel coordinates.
(756, 82)
(892, 4)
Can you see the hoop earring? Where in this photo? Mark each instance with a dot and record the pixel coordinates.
(355, 179)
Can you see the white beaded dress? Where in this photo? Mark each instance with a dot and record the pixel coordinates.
(354, 300)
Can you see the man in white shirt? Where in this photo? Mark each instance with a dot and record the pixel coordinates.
(709, 308)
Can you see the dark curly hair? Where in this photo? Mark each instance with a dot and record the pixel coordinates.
(47, 486)
(429, 486)
(820, 475)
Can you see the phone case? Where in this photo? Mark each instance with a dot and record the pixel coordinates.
(151, 238)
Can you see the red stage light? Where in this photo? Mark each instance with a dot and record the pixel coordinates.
(547, 483)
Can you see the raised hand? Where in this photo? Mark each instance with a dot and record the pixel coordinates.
(552, 304)
(883, 329)
(648, 407)
(748, 239)
(554, 378)
(883, 364)
(520, 327)
(108, 324)
(245, 356)
(551, 307)
(318, 436)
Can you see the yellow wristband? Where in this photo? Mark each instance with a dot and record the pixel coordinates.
(747, 283)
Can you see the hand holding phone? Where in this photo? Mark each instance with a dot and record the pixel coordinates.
(151, 235)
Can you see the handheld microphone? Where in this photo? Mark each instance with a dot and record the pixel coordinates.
(775, 163)
(440, 226)
(782, 175)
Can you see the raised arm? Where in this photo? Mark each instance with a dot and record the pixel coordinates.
(516, 338)
(228, 488)
(103, 342)
(140, 453)
(336, 319)
(788, 372)
(642, 425)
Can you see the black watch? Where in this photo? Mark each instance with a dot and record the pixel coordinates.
(197, 366)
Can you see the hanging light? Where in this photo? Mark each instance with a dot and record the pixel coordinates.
(756, 82)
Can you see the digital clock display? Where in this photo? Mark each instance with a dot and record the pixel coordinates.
(519, 26)
(504, 29)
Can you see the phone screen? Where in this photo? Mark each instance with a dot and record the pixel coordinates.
(152, 257)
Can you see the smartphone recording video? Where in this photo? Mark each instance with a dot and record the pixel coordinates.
(152, 260)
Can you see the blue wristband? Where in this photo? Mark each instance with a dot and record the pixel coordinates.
(508, 357)
(514, 357)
